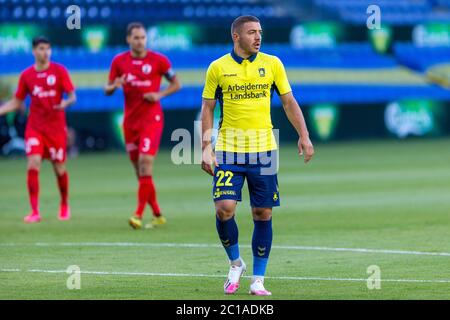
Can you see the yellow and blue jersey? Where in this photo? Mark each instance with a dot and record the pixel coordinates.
(244, 88)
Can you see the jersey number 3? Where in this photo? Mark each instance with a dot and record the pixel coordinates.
(146, 146)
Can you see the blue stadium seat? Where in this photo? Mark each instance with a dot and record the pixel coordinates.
(124, 11)
(399, 12)
(421, 58)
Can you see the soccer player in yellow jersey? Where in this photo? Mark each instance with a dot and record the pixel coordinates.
(243, 82)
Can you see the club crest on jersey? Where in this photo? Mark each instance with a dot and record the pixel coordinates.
(262, 72)
(146, 68)
(51, 80)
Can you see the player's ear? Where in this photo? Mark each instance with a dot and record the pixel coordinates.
(235, 36)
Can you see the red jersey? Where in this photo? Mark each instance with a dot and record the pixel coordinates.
(142, 75)
(46, 89)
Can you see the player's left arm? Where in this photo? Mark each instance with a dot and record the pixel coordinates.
(68, 87)
(174, 86)
(174, 83)
(295, 116)
(65, 103)
(292, 109)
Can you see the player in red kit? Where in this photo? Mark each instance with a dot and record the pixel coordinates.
(139, 72)
(46, 131)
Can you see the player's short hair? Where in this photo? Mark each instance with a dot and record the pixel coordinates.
(134, 25)
(38, 40)
(239, 22)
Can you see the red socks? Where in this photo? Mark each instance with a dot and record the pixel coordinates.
(63, 184)
(147, 193)
(143, 194)
(33, 189)
(152, 200)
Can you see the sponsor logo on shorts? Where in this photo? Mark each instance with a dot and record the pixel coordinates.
(218, 193)
(275, 196)
(130, 147)
(30, 143)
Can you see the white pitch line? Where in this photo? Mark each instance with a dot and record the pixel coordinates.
(199, 275)
(206, 245)
(10, 270)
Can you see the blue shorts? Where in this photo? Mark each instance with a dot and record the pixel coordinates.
(260, 169)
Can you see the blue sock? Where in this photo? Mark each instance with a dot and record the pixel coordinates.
(261, 244)
(228, 234)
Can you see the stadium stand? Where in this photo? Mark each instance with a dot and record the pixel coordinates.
(399, 12)
(348, 72)
(122, 11)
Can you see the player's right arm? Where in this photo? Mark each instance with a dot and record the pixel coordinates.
(208, 105)
(10, 106)
(208, 156)
(111, 86)
(17, 101)
(116, 79)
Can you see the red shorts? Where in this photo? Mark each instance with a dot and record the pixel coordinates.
(49, 146)
(143, 141)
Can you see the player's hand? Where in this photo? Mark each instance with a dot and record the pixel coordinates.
(152, 96)
(208, 160)
(119, 81)
(306, 148)
(64, 104)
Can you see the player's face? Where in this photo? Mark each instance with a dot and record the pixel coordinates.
(42, 53)
(249, 37)
(137, 40)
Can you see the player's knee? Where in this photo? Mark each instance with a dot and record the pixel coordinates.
(34, 163)
(60, 168)
(136, 167)
(145, 164)
(224, 212)
(263, 214)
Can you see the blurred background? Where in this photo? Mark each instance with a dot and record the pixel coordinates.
(354, 82)
(377, 102)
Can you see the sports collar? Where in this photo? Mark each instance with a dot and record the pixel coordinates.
(240, 59)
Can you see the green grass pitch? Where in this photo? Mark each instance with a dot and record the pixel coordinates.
(389, 199)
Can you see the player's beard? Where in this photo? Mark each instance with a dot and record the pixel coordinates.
(247, 47)
(43, 60)
(138, 51)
